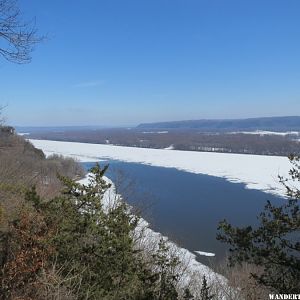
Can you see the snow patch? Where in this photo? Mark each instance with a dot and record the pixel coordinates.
(171, 147)
(158, 132)
(148, 239)
(205, 253)
(265, 132)
(255, 171)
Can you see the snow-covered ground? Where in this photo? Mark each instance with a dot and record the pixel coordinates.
(157, 132)
(255, 171)
(171, 147)
(264, 132)
(205, 253)
(190, 269)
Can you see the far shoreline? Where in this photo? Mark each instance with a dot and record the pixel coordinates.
(258, 172)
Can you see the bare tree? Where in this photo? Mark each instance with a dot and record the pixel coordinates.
(17, 37)
(1, 116)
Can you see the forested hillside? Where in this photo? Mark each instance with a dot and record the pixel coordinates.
(22, 164)
(267, 123)
(59, 240)
(180, 139)
(54, 243)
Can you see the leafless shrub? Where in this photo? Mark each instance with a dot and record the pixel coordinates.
(239, 284)
(54, 284)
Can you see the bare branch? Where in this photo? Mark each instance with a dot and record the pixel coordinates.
(17, 38)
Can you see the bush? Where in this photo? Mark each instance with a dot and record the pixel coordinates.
(275, 244)
(90, 244)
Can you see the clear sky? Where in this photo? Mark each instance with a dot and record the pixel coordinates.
(122, 62)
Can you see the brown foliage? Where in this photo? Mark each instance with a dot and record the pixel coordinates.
(21, 164)
(27, 254)
(240, 284)
(24, 233)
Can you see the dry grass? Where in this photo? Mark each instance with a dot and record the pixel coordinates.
(240, 284)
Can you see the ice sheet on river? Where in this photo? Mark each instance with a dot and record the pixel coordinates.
(255, 171)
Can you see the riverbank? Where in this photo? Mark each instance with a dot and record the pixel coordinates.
(190, 269)
(255, 171)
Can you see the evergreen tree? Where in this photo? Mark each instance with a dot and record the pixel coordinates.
(275, 243)
(83, 247)
(166, 268)
(205, 290)
(188, 295)
(94, 241)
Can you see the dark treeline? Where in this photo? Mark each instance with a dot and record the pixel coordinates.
(191, 140)
(224, 125)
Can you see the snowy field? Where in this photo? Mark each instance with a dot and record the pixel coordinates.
(255, 171)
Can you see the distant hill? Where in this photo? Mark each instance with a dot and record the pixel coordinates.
(38, 129)
(251, 124)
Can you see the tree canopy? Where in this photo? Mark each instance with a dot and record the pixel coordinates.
(275, 244)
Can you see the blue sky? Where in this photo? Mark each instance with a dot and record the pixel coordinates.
(122, 62)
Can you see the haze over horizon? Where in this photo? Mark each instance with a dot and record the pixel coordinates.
(117, 63)
(145, 123)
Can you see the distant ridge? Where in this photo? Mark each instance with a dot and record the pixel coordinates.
(37, 129)
(266, 123)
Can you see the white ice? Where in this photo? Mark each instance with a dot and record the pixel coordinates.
(146, 238)
(205, 253)
(265, 132)
(255, 171)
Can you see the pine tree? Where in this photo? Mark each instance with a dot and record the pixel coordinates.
(166, 269)
(205, 290)
(95, 244)
(94, 241)
(188, 295)
(275, 243)
(83, 247)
